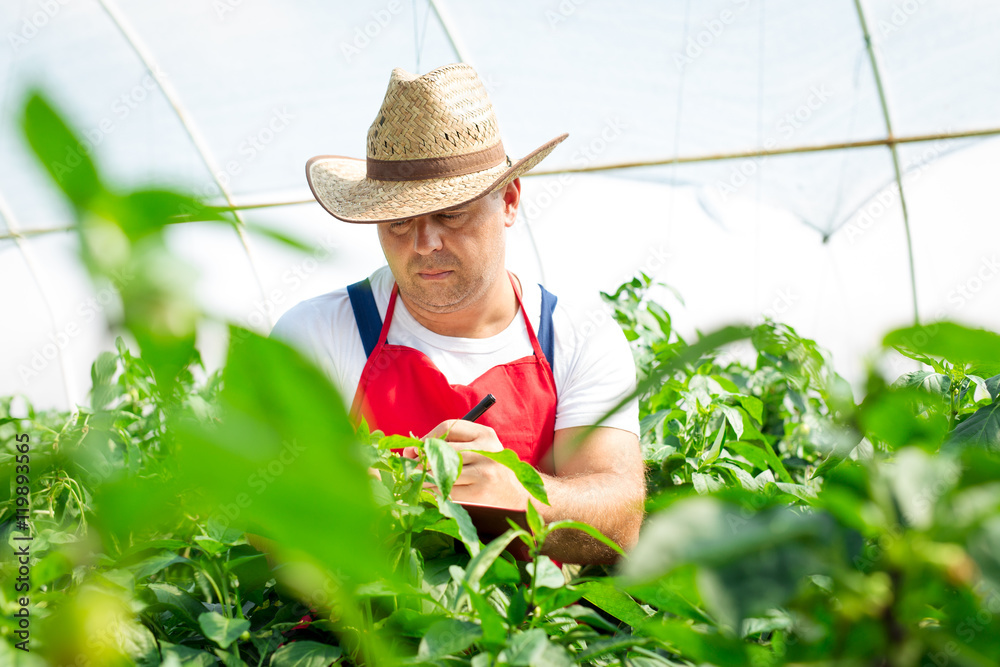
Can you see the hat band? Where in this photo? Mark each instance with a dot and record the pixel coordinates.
(436, 167)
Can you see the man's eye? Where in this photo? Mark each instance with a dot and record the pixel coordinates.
(449, 216)
(396, 226)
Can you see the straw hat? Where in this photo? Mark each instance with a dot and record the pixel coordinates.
(434, 145)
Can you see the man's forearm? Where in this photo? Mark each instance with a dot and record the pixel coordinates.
(610, 502)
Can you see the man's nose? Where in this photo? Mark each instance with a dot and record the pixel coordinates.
(427, 237)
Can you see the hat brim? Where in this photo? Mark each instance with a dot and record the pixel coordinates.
(340, 184)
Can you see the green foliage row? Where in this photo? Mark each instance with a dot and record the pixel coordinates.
(787, 524)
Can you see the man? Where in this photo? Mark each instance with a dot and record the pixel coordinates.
(422, 340)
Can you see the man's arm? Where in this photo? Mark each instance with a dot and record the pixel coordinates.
(599, 481)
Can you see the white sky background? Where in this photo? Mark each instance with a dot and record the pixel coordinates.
(594, 234)
(731, 259)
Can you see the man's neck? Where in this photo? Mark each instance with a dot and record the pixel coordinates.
(491, 315)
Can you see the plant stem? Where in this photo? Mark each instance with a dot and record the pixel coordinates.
(218, 593)
(535, 551)
(366, 631)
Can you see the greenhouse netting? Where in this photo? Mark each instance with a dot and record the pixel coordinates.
(829, 164)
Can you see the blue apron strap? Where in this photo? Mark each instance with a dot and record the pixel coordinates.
(365, 314)
(546, 336)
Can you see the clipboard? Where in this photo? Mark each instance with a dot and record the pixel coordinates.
(491, 522)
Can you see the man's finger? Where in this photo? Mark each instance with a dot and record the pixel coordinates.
(458, 430)
(470, 457)
(470, 475)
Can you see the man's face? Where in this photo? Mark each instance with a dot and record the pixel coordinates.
(447, 261)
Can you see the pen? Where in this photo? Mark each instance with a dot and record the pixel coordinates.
(481, 407)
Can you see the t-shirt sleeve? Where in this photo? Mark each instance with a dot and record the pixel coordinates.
(600, 375)
(300, 328)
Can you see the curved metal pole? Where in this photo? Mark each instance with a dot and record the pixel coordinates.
(760, 152)
(188, 124)
(895, 154)
(449, 31)
(29, 260)
(693, 159)
(460, 52)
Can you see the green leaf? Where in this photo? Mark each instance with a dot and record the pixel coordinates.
(911, 475)
(284, 457)
(713, 452)
(702, 646)
(734, 418)
(182, 604)
(533, 649)
(524, 648)
(553, 655)
(154, 563)
(527, 475)
(53, 565)
(60, 151)
(445, 463)
(482, 561)
(208, 545)
(981, 429)
(611, 646)
(588, 616)
(466, 529)
(566, 524)
(993, 386)
(535, 522)
(518, 607)
(954, 342)
(223, 631)
(137, 642)
(890, 416)
(545, 573)
(746, 480)
(675, 593)
(649, 422)
(185, 655)
(708, 532)
(775, 463)
(302, 653)
(145, 212)
(448, 637)
(494, 631)
(397, 442)
(615, 601)
(937, 383)
(229, 660)
(751, 452)
(974, 382)
(705, 484)
(753, 405)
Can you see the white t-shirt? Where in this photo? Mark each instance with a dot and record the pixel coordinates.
(593, 366)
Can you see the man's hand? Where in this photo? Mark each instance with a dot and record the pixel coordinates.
(598, 480)
(483, 480)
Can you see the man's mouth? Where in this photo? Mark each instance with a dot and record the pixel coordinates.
(434, 274)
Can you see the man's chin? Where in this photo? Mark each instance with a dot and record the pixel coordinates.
(430, 298)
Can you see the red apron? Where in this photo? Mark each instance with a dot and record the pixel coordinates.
(402, 392)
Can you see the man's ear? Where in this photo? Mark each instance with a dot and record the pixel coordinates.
(511, 199)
